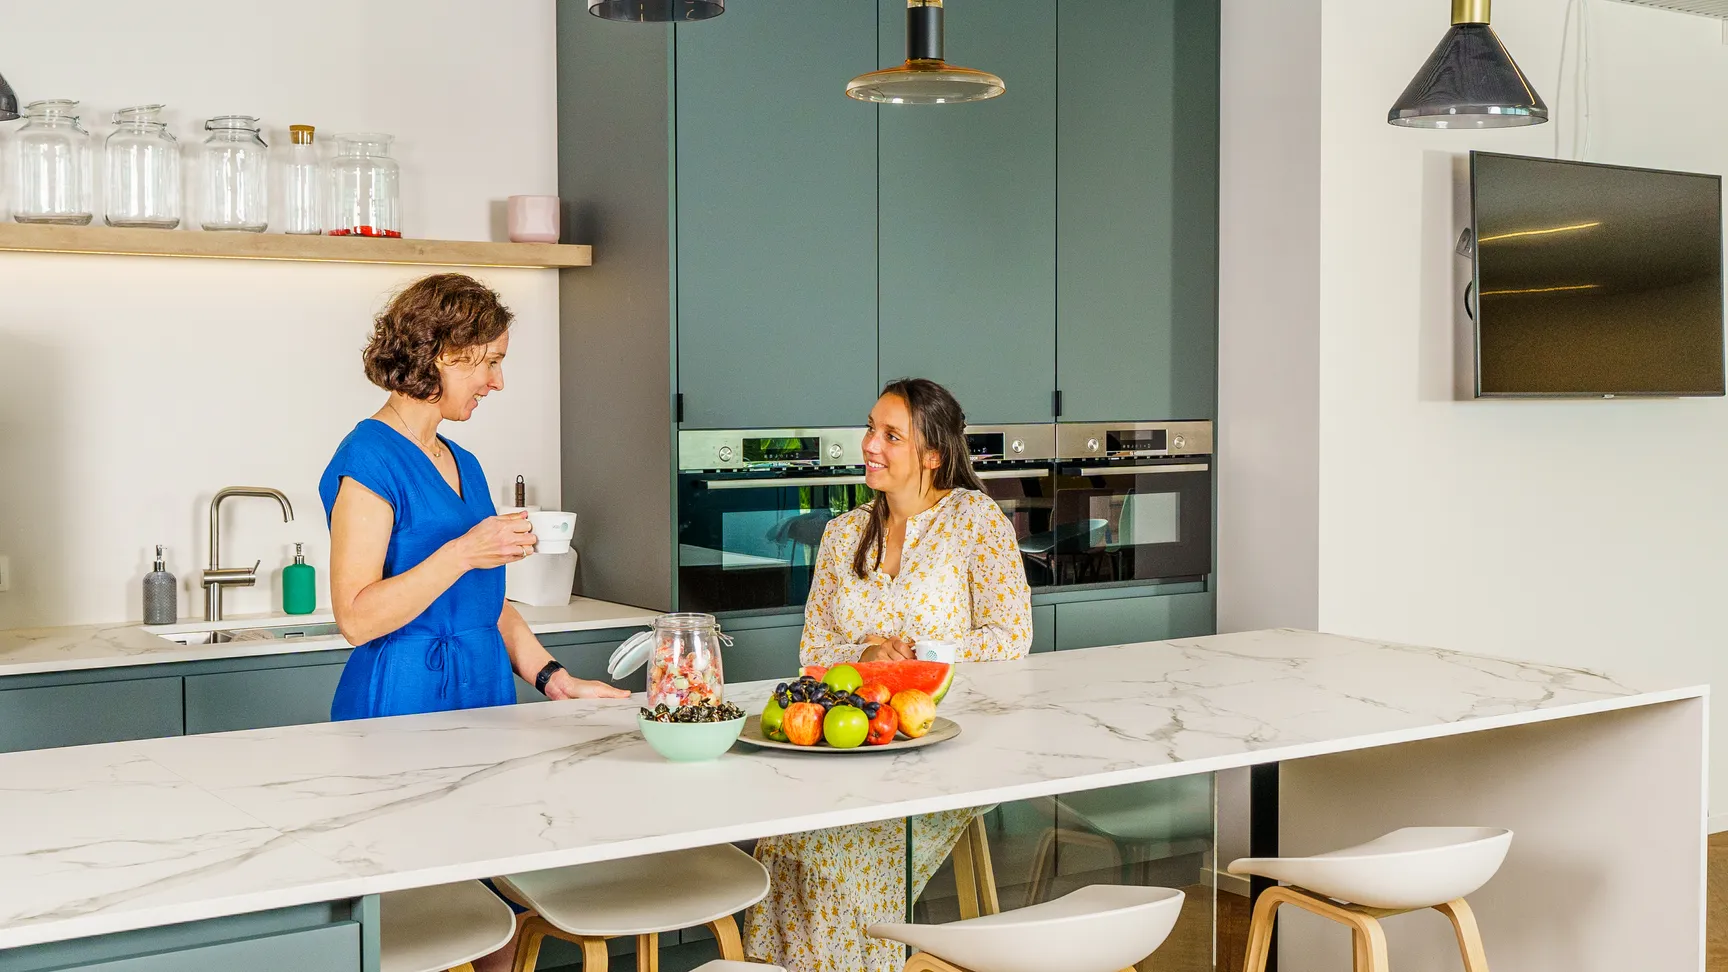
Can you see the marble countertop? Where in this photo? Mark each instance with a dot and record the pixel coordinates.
(109, 838)
(30, 651)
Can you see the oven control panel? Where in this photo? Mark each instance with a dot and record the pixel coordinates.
(1130, 440)
(770, 449)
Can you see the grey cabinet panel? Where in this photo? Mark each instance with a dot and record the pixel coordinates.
(1088, 624)
(1137, 191)
(968, 222)
(91, 712)
(763, 653)
(259, 700)
(335, 948)
(776, 229)
(1044, 628)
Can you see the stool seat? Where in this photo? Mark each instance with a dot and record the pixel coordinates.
(721, 965)
(442, 927)
(643, 895)
(1407, 869)
(1100, 928)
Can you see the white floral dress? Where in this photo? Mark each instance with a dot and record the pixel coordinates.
(961, 579)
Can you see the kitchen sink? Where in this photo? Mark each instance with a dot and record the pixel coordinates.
(284, 632)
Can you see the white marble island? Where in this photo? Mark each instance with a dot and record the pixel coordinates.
(1603, 782)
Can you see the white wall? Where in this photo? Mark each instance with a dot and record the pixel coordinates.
(134, 388)
(1582, 533)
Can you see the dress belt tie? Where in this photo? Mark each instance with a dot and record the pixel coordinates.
(438, 660)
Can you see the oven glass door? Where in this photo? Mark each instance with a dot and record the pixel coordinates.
(749, 541)
(1125, 520)
(1026, 493)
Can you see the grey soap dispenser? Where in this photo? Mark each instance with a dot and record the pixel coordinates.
(160, 593)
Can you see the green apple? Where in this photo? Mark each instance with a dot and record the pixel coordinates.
(843, 679)
(845, 727)
(773, 716)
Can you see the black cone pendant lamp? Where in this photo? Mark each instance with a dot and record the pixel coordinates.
(925, 78)
(8, 101)
(1470, 81)
(656, 11)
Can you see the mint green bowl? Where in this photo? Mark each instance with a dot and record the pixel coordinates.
(690, 742)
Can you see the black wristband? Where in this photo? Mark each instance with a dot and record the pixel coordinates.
(545, 676)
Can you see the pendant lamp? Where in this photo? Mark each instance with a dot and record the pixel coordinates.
(8, 101)
(656, 11)
(1470, 81)
(925, 78)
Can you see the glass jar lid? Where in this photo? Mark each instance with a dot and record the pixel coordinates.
(52, 108)
(362, 143)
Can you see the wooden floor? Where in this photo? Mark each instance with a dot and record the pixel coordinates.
(1233, 917)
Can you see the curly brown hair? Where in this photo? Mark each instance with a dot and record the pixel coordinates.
(444, 314)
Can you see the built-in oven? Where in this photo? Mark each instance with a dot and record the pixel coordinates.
(752, 504)
(1132, 502)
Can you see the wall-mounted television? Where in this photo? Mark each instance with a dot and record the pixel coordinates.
(1595, 281)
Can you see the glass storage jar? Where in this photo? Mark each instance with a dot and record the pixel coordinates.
(236, 178)
(143, 171)
(364, 186)
(683, 657)
(51, 165)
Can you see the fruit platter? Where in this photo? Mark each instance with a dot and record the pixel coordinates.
(856, 708)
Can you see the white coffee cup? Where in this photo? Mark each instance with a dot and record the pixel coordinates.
(553, 529)
(937, 650)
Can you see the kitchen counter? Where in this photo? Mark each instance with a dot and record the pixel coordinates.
(230, 823)
(30, 651)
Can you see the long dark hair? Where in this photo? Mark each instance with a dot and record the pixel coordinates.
(938, 425)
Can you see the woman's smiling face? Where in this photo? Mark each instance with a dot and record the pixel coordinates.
(892, 459)
(469, 376)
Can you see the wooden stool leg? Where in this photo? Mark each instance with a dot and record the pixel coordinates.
(647, 953)
(1043, 863)
(1469, 936)
(464, 967)
(1373, 946)
(726, 934)
(528, 939)
(988, 901)
(594, 955)
(1260, 931)
(965, 876)
(925, 962)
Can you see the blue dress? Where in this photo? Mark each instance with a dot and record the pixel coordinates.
(452, 656)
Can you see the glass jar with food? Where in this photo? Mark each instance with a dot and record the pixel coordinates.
(682, 653)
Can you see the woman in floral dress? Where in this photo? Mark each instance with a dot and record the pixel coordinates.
(930, 557)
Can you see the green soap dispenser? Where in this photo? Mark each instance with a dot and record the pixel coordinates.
(299, 585)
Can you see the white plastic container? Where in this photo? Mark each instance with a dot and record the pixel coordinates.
(543, 580)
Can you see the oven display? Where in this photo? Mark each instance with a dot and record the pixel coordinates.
(987, 445)
(1135, 440)
(803, 449)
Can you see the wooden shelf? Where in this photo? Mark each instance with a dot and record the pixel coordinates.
(114, 241)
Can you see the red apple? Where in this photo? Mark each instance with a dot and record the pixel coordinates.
(876, 692)
(882, 727)
(803, 723)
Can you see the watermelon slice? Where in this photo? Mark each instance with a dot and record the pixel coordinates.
(933, 678)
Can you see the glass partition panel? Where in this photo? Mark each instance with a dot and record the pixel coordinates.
(1158, 834)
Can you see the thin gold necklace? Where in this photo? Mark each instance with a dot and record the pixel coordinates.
(436, 452)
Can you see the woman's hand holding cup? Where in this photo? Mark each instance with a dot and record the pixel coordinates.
(498, 540)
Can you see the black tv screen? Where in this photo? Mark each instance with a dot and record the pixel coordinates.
(1595, 280)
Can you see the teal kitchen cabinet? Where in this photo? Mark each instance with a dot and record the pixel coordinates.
(1137, 209)
(1043, 627)
(584, 654)
(290, 695)
(776, 216)
(968, 217)
(763, 648)
(1126, 620)
(329, 937)
(109, 710)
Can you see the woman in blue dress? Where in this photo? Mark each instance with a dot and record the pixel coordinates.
(416, 547)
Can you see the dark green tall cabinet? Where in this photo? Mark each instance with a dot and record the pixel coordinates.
(776, 229)
(1137, 209)
(968, 224)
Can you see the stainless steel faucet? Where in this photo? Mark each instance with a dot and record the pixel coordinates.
(217, 576)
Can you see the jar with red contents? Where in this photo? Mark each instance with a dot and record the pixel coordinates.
(682, 653)
(365, 185)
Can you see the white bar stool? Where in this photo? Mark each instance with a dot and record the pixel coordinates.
(722, 965)
(1406, 870)
(1100, 928)
(641, 897)
(443, 927)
